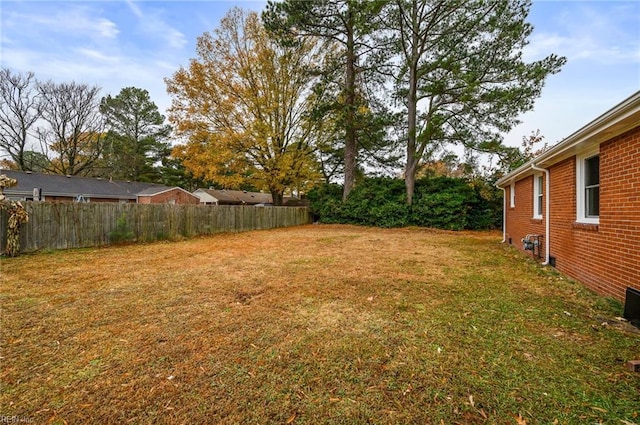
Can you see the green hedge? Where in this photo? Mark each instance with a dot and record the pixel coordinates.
(440, 202)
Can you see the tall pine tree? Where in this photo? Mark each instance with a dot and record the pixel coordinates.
(135, 140)
(346, 24)
(461, 76)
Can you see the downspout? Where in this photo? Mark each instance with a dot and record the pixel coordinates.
(546, 211)
(504, 214)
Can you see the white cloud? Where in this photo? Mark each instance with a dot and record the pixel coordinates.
(590, 33)
(154, 26)
(76, 20)
(601, 41)
(582, 47)
(541, 44)
(97, 55)
(135, 9)
(176, 39)
(106, 28)
(170, 67)
(19, 59)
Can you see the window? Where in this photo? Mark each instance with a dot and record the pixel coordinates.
(537, 196)
(588, 188)
(512, 195)
(592, 186)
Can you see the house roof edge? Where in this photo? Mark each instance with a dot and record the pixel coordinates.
(617, 120)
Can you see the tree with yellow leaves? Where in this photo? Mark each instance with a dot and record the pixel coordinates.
(242, 106)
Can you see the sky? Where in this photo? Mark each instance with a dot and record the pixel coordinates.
(117, 44)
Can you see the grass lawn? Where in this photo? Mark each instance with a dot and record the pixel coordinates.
(310, 325)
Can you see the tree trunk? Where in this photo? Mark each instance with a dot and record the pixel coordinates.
(351, 141)
(412, 112)
(277, 198)
(412, 161)
(410, 179)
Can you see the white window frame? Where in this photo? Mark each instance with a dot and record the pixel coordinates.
(512, 195)
(581, 216)
(538, 194)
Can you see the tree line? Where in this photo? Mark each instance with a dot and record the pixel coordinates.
(67, 128)
(329, 90)
(307, 92)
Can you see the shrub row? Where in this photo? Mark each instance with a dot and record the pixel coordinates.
(440, 202)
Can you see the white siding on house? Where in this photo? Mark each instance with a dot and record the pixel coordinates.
(205, 198)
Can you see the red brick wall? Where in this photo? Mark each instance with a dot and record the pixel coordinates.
(520, 221)
(619, 227)
(176, 195)
(605, 257)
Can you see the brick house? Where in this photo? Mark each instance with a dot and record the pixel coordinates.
(59, 188)
(167, 195)
(579, 203)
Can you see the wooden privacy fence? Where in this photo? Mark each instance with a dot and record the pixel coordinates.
(81, 225)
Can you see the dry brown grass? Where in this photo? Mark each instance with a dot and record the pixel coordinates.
(314, 324)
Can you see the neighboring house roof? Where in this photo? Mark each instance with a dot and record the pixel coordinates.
(205, 197)
(233, 197)
(616, 121)
(151, 191)
(157, 190)
(252, 197)
(72, 186)
(215, 195)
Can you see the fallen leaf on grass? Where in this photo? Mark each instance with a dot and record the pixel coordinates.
(627, 422)
(291, 418)
(471, 402)
(599, 409)
(520, 420)
(55, 420)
